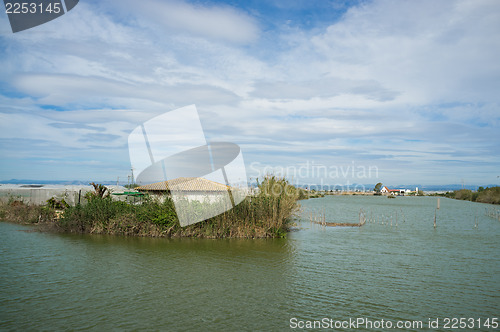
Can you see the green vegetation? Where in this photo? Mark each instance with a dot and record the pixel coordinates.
(266, 215)
(100, 191)
(18, 212)
(482, 195)
(57, 204)
(377, 188)
(306, 194)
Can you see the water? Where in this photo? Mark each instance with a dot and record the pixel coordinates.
(378, 271)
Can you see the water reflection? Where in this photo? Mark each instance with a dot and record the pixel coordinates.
(151, 283)
(378, 271)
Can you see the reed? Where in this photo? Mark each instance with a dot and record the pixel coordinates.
(483, 195)
(21, 213)
(266, 215)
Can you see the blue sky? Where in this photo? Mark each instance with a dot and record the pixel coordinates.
(410, 88)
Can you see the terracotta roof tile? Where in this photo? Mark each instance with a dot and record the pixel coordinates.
(185, 184)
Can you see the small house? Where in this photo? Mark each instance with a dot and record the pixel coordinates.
(192, 188)
(396, 192)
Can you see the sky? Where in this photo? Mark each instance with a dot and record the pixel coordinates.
(330, 92)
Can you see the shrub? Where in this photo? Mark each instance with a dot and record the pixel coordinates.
(158, 212)
(489, 195)
(483, 195)
(19, 212)
(268, 214)
(93, 215)
(56, 204)
(464, 194)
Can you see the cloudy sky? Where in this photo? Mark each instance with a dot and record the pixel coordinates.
(410, 89)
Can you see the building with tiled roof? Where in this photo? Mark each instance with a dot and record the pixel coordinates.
(190, 188)
(185, 184)
(386, 190)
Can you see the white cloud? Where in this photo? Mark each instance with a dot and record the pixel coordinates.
(209, 21)
(430, 50)
(393, 82)
(92, 91)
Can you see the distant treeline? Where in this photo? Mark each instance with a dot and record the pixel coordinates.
(266, 215)
(306, 194)
(483, 195)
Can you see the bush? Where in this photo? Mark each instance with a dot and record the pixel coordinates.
(56, 204)
(464, 194)
(19, 212)
(483, 195)
(267, 214)
(302, 194)
(157, 212)
(489, 195)
(93, 215)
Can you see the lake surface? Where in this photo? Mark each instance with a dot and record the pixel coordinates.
(411, 271)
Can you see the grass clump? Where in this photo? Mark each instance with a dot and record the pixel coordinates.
(482, 195)
(268, 214)
(489, 195)
(21, 213)
(265, 215)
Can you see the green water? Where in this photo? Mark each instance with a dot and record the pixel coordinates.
(406, 272)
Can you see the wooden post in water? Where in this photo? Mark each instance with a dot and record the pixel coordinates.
(435, 218)
(324, 217)
(362, 217)
(438, 203)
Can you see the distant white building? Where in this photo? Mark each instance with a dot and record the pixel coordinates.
(193, 189)
(386, 190)
(397, 191)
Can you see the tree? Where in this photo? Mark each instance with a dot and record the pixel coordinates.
(378, 187)
(100, 190)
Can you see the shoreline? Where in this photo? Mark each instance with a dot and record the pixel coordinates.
(268, 214)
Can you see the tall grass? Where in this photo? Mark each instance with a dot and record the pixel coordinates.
(489, 195)
(485, 195)
(21, 213)
(268, 214)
